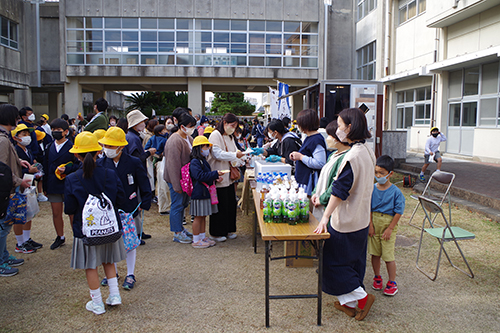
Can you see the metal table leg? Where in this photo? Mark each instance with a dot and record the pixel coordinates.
(255, 221)
(320, 278)
(267, 283)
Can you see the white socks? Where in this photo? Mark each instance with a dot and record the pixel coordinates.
(96, 294)
(113, 286)
(421, 173)
(26, 235)
(131, 261)
(20, 240)
(197, 238)
(203, 236)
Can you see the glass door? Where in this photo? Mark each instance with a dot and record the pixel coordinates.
(462, 119)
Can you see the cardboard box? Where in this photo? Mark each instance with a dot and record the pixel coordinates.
(302, 248)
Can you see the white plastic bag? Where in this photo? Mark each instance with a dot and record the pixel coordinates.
(32, 207)
(431, 158)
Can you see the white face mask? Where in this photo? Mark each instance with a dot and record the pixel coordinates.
(25, 140)
(341, 135)
(142, 134)
(170, 127)
(229, 130)
(205, 152)
(140, 127)
(31, 117)
(111, 153)
(238, 136)
(271, 136)
(188, 130)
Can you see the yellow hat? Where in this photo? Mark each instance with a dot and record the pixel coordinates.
(434, 128)
(46, 116)
(58, 173)
(19, 128)
(85, 142)
(114, 136)
(208, 129)
(40, 135)
(201, 140)
(99, 134)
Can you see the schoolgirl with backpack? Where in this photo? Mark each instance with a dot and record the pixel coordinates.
(92, 196)
(204, 194)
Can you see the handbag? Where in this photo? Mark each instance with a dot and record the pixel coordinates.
(130, 238)
(16, 212)
(235, 173)
(214, 200)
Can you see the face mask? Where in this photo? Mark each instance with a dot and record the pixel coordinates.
(435, 134)
(25, 140)
(330, 142)
(112, 123)
(57, 135)
(142, 134)
(170, 127)
(238, 136)
(271, 136)
(111, 153)
(31, 117)
(341, 135)
(381, 180)
(205, 152)
(229, 130)
(204, 125)
(140, 127)
(188, 131)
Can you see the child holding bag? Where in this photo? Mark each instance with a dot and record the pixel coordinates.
(201, 203)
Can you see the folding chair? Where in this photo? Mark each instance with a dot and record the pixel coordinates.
(441, 177)
(442, 234)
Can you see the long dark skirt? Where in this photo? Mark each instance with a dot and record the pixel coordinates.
(344, 261)
(224, 221)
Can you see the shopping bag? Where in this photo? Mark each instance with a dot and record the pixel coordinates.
(16, 212)
(32, 207)
(130, 238)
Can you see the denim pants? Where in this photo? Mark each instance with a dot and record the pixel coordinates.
(4, 231)
(178, 204)
(260, 142)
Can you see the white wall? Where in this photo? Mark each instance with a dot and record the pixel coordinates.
(484, 149)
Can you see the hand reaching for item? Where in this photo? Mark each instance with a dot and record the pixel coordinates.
(273, 158)
(257, 151)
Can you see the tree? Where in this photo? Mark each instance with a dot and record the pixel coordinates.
(231, 102)
(162, 102)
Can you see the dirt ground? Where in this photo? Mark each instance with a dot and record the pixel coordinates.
(221, 289)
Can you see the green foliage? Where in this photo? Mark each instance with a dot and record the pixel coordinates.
(231, 102)
(162, 102)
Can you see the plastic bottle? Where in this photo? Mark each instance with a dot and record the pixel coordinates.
(293, 209)
(277, 208)
(268, 208)
(285, 199)
(304, 206)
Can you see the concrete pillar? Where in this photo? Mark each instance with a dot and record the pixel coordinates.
(73, 98)
(196, 99)
(60, 102)
(22, 98)
(53, 105)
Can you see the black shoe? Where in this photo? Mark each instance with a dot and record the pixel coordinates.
(142, 242)
(57, 243)
(184, 220)
(165, 213)
(145, 236)
(34, 244)
(155, 199)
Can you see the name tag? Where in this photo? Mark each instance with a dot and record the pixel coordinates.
(130, 179)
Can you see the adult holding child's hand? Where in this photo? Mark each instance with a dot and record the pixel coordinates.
(347, 219)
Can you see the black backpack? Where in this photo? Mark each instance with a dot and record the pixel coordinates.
(5, 188)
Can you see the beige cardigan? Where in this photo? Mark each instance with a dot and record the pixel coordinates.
(221, 161)
(176, 154)
(353, 214)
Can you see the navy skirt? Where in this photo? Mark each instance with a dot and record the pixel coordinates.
(344, 261)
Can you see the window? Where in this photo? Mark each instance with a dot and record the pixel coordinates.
(366, 62)
(9, 33)
(413, 107)
(191, 42)
(365, 7)
(473, 96)
(408, 9)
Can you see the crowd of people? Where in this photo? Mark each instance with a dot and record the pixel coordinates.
(185, 160)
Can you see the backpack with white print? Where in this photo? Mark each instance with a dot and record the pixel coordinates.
(99, 222)
(186, 182)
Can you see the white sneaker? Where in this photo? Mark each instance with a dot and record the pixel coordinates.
(209, 241)
(219, 239)
(114, 300)
(42, 197)
(95, 307)
(231, 235)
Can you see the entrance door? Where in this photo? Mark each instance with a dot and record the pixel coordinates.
(462, 120)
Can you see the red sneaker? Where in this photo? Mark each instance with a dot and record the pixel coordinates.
(377, 282)
(391, 289)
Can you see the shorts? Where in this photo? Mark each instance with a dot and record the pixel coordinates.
(376, 245)
(436, 156)
(55, 197)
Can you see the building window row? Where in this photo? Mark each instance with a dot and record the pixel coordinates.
(473, 96)
(191, 42)
(408, 9)
(365, 7)
(366, 62)
(413, 107)
(9, 32)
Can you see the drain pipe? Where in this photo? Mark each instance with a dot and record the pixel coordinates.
(434, 79)
(387, 39)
